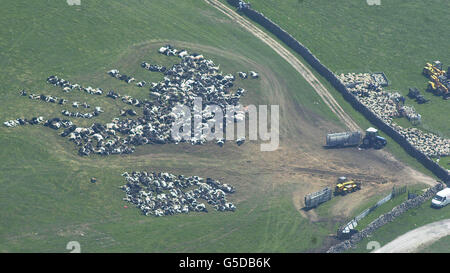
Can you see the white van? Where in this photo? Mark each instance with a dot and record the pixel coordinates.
(441, 199)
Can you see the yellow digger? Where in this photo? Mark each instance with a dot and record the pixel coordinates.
(437, 87)
(346, 186)
(428, 70)
(434, 69)
(439, 83)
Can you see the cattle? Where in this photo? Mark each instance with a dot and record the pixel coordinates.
(254, 75)
(193, 77)
(113, 95)
(145, 191)
(141, 84)
(243, 75)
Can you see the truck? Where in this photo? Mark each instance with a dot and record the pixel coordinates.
(312, 200)
(441, 199)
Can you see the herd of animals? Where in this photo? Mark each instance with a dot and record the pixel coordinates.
(192, 78)
(162, 194)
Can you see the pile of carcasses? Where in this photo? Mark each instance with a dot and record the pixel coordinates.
(52, 99)
(116, 74)
(153, 67)
(44, 98)
(68, 87)
(370, 93)
(55, 123)
(23, 121)
(161, 194)
(390, 105)
(95, 113)
(429, 144)
(192, 79)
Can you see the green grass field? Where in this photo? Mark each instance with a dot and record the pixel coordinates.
(386, 207)
(47, 199)
(414, 218)
(396, 37)
(441, 246)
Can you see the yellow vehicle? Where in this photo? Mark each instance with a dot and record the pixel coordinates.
(436, 87)
(346, 186)
(431, 87)
(428, 70)
(433, 70)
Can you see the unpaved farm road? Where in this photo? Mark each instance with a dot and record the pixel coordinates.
(417, 238)
(310, 78)
(292, 60)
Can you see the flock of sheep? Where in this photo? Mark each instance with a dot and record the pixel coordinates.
(161, 194)
(195, 77)
(390, 105)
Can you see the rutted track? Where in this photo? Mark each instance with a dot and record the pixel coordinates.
(332, 173)
(292, 60)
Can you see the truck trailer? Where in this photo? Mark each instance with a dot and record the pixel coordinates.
(370, 140)
(312, 200)
(343, 139)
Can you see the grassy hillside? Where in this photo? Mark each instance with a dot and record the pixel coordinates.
(47, 199)
(396, 37)
(351, 36)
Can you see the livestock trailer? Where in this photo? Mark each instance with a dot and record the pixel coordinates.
(343, 139)
(380, 78)
(312, 200)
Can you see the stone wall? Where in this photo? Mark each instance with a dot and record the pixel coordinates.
(384, 219)
(290, 41)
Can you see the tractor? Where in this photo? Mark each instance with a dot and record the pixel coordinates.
(414, 93)
(420, 99)
(345, 186)
(372, 139)
(439, 83)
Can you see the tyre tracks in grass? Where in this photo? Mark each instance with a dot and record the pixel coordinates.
(306, 73)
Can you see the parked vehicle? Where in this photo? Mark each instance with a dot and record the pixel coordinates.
(312, 200)
(345, 139)
(441, 199)
(345, 186)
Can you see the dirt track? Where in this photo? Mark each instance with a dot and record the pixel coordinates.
(301, 157)
(417, 238)
(292, 60)
(301, 164)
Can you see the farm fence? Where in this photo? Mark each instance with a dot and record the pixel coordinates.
(385, 218)
(353, 223)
